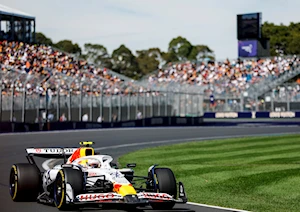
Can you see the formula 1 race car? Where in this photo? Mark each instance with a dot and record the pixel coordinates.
(86, 179)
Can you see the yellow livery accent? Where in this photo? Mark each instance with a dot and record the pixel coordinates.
(86, 143)
(16, 182)
(124, 189)
(86, 151)
(62, 189)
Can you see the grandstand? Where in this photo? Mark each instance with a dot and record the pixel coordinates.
(16, 25)
(38, 80)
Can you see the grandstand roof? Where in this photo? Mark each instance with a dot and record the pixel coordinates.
(14, 12)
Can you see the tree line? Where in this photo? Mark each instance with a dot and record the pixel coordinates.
(124, 61)
(284, 40)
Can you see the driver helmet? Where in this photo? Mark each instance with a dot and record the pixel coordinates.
(93, 163)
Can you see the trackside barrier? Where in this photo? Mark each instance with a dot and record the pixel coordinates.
(211, 119)
(6, 127)
(251, 115)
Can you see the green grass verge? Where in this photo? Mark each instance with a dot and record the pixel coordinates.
(256, 174)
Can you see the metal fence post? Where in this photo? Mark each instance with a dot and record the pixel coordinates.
(144, 105)
(12, 101)
(58, 104)
(242, 102)
(272, 102)
(288, 100)
(179, 103)
(24, 103)
(80, 103)
(91, 106)
(0, 100)
(166, 103)
(198, 105)
(110, 105)
(151, 105)
(137, 104)
(128, 106)
(185, 103)
(120, 107)
(256, 102)
(101, 103)
(91, 101)
(70, 105)
(158, 104)
(38, 103)
(226, 103)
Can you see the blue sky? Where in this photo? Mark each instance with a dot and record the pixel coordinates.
(141, 24)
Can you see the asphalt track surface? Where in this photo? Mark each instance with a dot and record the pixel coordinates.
(114, 142)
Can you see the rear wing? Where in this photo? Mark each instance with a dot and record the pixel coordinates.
(51, 152)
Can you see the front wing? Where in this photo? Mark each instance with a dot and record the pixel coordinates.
(117, 198)
(140, 199)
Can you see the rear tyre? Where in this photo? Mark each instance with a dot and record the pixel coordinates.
(166, 184)
(71, 176)
(24, 182)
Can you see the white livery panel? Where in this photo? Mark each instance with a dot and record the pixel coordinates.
(51, 151)
(98, 197)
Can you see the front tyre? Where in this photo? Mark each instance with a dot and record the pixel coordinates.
(166, 183)
(67, 176)
(24, 182)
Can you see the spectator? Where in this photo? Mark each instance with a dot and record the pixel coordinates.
(114, 117)
(50, 117)
(139, 115)
(85, 117)
(63, 118)
(100, 119)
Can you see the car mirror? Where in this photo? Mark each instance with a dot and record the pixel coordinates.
(131, 165)
(114, 165)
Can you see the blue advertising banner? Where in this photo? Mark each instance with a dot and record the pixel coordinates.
(251, 115)
(247, 48)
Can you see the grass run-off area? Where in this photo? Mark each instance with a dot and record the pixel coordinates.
(256, 174)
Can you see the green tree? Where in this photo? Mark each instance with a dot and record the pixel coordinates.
(283, 39)
(294, 44)
(42, 39)
(149, 60)
(170, 56)
(68, 46)
(200, 52)
(181, 47)
(97, 54)
(124, 62)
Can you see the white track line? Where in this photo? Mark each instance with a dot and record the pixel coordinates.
(191, 139)
(46, 166)
(216, 207)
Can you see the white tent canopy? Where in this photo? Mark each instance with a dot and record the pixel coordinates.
(14, 12)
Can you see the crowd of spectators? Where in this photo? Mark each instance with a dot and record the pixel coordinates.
(290, 92)
(226, 76)
(43, 67)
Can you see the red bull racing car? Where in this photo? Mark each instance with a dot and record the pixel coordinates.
(87, 179)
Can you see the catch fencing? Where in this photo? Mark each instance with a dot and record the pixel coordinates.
(32, 98)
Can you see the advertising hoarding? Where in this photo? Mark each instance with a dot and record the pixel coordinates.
(247, 48)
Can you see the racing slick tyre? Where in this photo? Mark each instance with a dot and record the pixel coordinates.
(66, 176)
(166, 184)
(24, 182)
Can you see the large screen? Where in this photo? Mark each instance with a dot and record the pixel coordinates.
(248, 48)
(249, 26)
